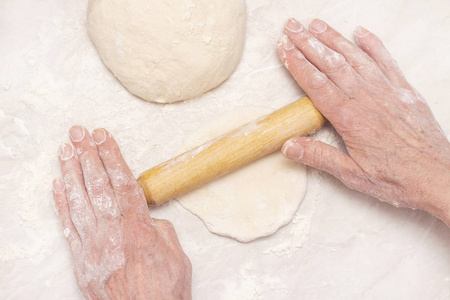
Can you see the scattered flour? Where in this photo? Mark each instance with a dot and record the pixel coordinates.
(52, 78)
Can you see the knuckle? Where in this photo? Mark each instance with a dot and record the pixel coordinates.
(110, 153)
(187, 262)
(125, 185)
(348, 178)
(183, 261)
(86, 148)
(97, 185)
(346, 120)
(316, 158)
(125, 188)
(390, 65)
(353, 178)
(372, 43)
(165, 223)
(377, 42)
(299, 57)
(317, 81)
(335, 62)
(361, 61)
(336, 39)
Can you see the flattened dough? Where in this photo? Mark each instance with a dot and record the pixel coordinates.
(253, 201)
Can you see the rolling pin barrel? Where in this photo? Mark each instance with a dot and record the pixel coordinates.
(229, 152)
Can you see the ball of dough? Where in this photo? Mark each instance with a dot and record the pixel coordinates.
(167, 51)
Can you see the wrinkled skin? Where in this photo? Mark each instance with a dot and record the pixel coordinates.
(118, 250)
(396, 150)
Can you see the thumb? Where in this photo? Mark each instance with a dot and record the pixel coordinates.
(324, 157)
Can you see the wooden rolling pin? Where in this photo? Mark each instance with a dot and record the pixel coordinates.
(229, 152)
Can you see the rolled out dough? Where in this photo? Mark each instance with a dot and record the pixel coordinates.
(254, 201)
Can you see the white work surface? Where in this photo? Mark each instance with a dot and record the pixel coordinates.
(341, 243)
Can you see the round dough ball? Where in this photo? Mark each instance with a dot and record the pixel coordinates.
(167, 51)
(251, 202)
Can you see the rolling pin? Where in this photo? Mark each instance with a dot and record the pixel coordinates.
(229, 152)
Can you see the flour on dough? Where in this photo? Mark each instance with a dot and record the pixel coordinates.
(253, 201)
(167, 51)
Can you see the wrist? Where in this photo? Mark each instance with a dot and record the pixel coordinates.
(435, 192)
(439, 204)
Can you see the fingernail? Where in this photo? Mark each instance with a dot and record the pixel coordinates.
(361, 32)
(286, 42)
(58, 186)
(66, 151)
(99, 136)
(292, 150)
(293, 25)
(76, 133)
(318, 26)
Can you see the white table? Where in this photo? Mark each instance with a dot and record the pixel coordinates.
(341, 244)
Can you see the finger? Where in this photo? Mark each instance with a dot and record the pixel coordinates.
(358, 59)
(168, 231)
(324, 157)
(128, 193)
(96, 180)
(373, 46)
(329, 62)
(325, 95)
(62, 207)
(80, 207)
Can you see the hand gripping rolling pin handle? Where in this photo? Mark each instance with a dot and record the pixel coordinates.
(229, 152)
